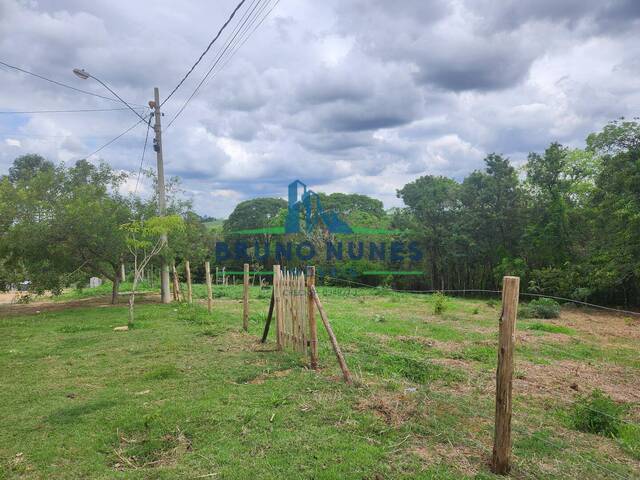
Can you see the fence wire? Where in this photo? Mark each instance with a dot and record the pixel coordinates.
(480, 290)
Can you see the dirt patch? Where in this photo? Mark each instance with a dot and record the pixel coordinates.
(466, 459)
(44, 306)
(394, 408)
(529, 337)
(602, 324)
(568, 378)
(140, 451)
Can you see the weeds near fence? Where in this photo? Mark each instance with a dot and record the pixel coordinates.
(540, 308)
(439, 301)
(597, 413)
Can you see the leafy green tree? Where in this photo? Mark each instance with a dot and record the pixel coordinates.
(64, 223)
(434, 203)
(26, 167)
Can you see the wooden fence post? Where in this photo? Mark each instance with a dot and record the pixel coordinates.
(207, 272)
(501, 461)
(245, 298)
(311, 313)
(176, 282)
(277, 304)
(187, 271)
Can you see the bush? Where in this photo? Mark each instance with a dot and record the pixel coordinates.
(540, 308)
(439, 300)
(596, 413)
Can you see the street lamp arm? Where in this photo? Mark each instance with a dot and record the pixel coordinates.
(83, 74)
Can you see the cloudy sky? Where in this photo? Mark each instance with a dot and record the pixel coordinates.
(352, 96)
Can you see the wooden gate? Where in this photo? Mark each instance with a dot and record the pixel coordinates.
(290, 305)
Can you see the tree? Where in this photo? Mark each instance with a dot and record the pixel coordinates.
(28, 166)
(144, 241)
(548, 188)
(253, 214)
(434, 203)
(63, 223)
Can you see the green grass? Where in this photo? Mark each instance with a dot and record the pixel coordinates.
(550, 328)
(186, 395)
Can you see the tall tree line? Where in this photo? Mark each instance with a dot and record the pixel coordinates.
(567, 221)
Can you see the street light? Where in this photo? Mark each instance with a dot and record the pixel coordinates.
(83, 74)
(155, 106)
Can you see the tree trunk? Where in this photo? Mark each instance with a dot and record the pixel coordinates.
(114, 290)
(131, 302)
(132, 296)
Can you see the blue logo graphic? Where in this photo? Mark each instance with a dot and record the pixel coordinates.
(307, 200)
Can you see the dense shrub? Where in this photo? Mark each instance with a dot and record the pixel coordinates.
(540, 308)
(439, 301)
(596, 413)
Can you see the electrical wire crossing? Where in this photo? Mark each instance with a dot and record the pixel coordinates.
(232, 45)
(81, 110)
(235, 10)
(56, 82)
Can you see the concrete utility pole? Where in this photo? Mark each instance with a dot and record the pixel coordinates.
(165, 294)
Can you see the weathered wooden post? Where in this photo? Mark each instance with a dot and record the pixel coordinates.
(245, 298)
(207, 272)
(501, 461)
(278, 304)
(187, 271)
(311, 313)
(176, 282)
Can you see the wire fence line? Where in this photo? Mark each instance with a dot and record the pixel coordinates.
(480, 290)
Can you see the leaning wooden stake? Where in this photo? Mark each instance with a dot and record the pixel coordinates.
(245, 298)
(311, 313)
(207, 273)
(501, 461)
(187, 271)
(265, 333)
(334, 343)
(176, 282)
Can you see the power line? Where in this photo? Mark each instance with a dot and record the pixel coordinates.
(229, 41)
(115, 139)
(22, 112)
(86, 92)
(243, 41)
(144, 149)
(205, 52)
(240, 31)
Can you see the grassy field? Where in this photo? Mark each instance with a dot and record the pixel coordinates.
(185, 395)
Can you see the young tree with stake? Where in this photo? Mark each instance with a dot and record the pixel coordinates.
(145, 240)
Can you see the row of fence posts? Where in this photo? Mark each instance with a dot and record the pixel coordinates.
(501, 456)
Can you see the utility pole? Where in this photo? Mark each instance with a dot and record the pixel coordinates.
(165, 294)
